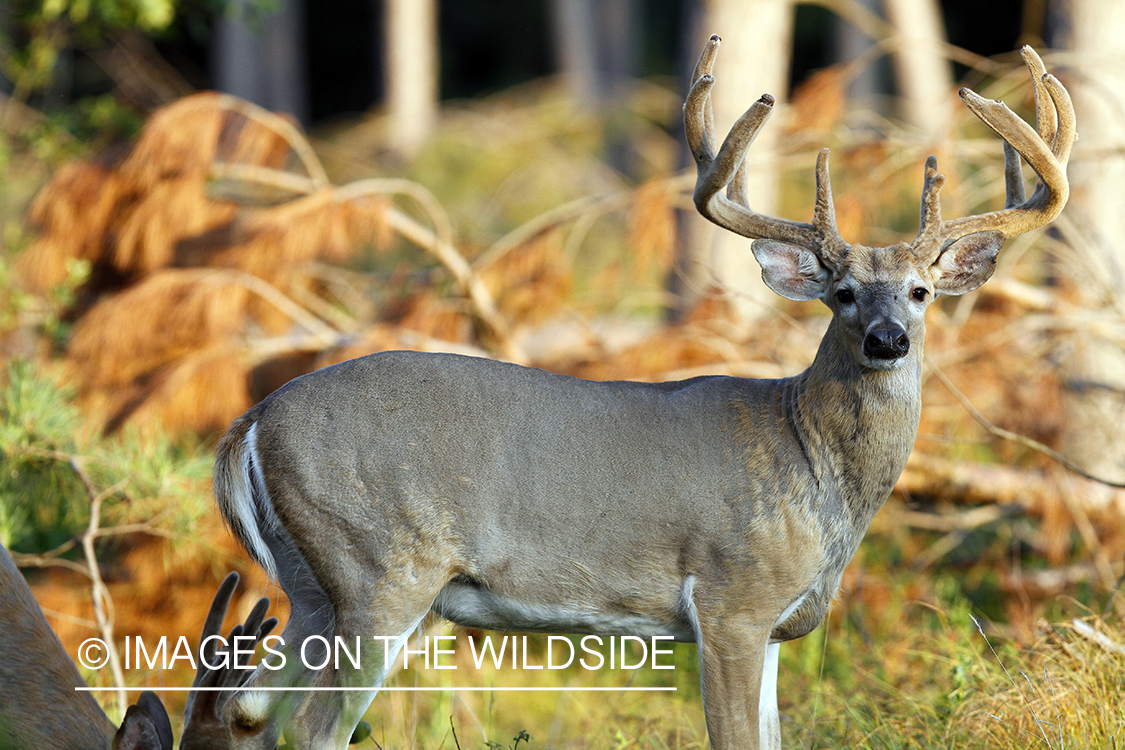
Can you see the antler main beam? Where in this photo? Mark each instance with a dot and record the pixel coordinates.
(727, 169)
(1046, 148)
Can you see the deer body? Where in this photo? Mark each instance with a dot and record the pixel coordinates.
(509, 498)
(502, 472)
(31, 648)
(717, 510)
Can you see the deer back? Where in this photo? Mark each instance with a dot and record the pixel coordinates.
(39, 707)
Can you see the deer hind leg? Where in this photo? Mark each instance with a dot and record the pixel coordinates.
(326, 719)
(255, 717)
(378, 599)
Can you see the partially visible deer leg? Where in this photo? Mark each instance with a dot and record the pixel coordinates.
(376, 610)
(731, 658)
(769, 721)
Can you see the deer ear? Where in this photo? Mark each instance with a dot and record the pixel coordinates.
(967, 263)
(146, 726)
(793, 272)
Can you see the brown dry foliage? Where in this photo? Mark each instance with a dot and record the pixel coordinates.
(153, 228)
(818, 104)
(269, 242)
(124, 351)
(1007, 373)
(167, 316)
(533, 281)
(432, 315)
(183, 140)
(144, 220)
(1004, 371)
(663, 352)
(73, 213)
(696, 341)
(652, 228)
(127, 212)
(202, 392)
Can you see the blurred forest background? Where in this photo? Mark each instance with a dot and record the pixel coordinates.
(201, 199)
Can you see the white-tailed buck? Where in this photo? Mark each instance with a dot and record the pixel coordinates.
(718, 510)
(41, 710)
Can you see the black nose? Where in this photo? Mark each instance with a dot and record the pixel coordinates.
(886, 343)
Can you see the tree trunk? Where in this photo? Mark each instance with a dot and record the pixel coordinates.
(411, 71)
(7, 26)
(262, 59)
(922, 72)
(595, 47)
(1094, 222)
(866, 88)
(754, 59)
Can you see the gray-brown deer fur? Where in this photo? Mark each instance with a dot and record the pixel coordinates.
(41, 710)
(717, 510)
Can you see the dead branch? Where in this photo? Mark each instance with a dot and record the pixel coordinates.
(959, 522)
(274, 296)
(26, 560)
(971, 483)
(283, 128)
(1048, 582)
(437, 240)
(548, 220)
(90, 568)
(1015, 437)
(1086, 631)
(103, 603)
(472, 284)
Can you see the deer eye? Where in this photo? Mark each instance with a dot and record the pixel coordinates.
(845, 296)
(920, 293)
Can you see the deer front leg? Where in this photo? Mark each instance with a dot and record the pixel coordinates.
(769, 722)
(739, 674)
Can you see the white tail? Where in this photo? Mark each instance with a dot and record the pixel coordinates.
(717, 510)
(40, 708)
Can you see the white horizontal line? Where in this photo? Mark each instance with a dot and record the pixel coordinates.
(383, 689)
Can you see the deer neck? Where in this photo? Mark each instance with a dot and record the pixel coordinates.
(858, 424)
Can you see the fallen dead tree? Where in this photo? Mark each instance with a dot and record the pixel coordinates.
(200, 237)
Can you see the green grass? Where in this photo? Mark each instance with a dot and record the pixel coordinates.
(900, 665)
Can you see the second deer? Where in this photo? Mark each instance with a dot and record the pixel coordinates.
(717, 510)
(40, 708)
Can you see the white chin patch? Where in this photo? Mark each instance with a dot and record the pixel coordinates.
(885, 364)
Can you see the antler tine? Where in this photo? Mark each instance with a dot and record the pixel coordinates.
(203, 726)
(932, 183)
(213, 624)
(727, 169)
(1046, 116)
(717, 172)
(824, 212)
(1013, 177)
(1046, 148)
(700, 127)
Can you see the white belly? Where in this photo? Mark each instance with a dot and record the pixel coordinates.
(474, 606)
